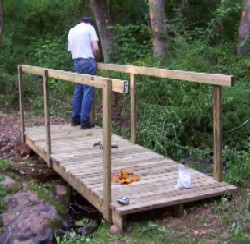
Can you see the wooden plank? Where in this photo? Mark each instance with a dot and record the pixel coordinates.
(213, 79)
(158, 192)
(80, 187)
(116, 156)
(20, 85)
(90, 80)
(67, 135)
(178, 210)
(121, 162)
(142, 171)
(217, 131)
(107, 90)
(133, 108)
(168, 201)
(119, 221)
(153, 185)
(46, 116)
(157, 184)
(35, 147)
(149, 167)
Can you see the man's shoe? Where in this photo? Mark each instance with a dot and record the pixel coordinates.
(87, 125)
(75, 123)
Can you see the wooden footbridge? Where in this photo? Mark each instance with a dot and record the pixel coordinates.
(70, 152)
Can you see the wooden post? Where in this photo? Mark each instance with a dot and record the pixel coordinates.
(92, 114)
(217, 130)
(133, 108)
(107, 92)
(177, 210)
(46, 115)
(20, 83)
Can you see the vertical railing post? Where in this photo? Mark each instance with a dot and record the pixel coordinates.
(92, 114)
(20, 84)
(133, 108)
(46, 115)
(107, 92)
(217, 131)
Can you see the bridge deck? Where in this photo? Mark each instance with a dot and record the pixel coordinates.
(80, 164)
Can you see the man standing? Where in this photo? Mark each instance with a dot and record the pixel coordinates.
(83, 45)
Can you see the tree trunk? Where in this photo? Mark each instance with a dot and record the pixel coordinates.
(103, 20)
(1, 19)
(158, 25)
(243, 46)
(184, 3)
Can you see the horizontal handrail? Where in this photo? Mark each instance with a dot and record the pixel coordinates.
(216, 80)
(213, 79)
(119, 86)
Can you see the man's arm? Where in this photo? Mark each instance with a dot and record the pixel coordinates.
(95, 48)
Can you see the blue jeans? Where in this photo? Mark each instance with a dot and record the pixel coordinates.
(83, 95)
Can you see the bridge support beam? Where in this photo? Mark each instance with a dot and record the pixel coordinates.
(107, 92)
(217, 130)
(46, 115)
(20, 83)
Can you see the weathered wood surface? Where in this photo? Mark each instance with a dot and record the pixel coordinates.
(118, 85)
(217, 130)
(212, 79)
(20, 85)
(81, 165)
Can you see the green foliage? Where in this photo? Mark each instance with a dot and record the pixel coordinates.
(146, 230)
(51, 52)
(3, 193)
(238, 166)
(235, 216)
(4, 164)
(133, 41)
(225, 23)
(8, 91)
(39, 25)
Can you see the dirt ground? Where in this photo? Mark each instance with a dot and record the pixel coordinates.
(23, 160)
(199, 220)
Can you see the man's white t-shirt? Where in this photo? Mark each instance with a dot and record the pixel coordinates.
(79, 41)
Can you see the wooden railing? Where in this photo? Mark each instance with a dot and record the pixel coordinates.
(216, 80)
(115, 85)
(107, 85)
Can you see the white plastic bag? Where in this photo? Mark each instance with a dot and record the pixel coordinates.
(184, 181)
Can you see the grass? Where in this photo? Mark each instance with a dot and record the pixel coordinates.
(223, 220)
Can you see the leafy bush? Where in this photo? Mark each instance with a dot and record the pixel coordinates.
(51, 52)
(133, 42)
(238, 166)
(8, 91)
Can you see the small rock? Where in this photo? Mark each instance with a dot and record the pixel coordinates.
(7, 181)
(128, 242)
(88, 229)
(114, 230)
(22, 242)
(60, 190)
(25, 186)
(24, 150)
(29, 218)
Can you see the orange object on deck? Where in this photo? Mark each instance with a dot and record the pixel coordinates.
(124, 177)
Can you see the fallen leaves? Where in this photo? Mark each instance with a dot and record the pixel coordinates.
(124, 177)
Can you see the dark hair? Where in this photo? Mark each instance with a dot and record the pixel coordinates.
(88, 20)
